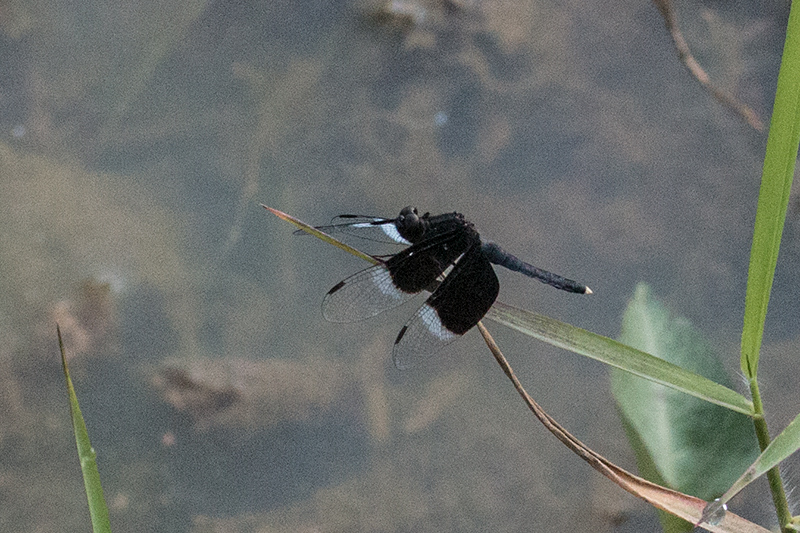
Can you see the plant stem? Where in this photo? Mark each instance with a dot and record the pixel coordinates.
(773, 474)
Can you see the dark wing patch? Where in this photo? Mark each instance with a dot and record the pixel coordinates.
(418, 267)
(457, 305)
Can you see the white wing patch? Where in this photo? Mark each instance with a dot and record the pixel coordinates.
(421, 337)
(391, 231)
(430, 319)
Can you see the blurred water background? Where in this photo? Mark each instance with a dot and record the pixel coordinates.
(137, 141)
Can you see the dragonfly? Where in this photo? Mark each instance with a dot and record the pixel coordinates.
(446, 257)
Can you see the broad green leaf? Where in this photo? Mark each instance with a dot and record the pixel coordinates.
(670, 523)
(86, 454)
(682, 508)
(773, 198)
(697, 447)
(617, 355)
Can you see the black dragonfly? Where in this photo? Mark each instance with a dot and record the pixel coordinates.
(446, 257)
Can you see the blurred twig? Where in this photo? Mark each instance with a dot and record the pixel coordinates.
(686, 57)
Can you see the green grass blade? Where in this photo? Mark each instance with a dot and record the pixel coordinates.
(773, 198)
(784, 445)
(86, 454)
(311, 230)
(617, 355)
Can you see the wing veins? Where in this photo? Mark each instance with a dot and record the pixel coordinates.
(372, 290)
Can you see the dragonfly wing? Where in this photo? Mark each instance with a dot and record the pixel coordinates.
(385, 286)
(363, 295)
(455, 307)
(368, 228)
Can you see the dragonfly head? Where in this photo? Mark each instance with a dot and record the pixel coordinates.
(410, 225)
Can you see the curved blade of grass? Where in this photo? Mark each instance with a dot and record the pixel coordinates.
(681, 505)
(616, 354)
(779, 449)
(311, 230)
(773, 198)
(86, 454)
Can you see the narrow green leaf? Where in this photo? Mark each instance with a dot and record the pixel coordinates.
(697, 448)
(779, 449)
(86, 454)
(773, 198)
(618, 355)
(311, 230)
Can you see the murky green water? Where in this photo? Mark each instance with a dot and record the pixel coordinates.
(138, 141)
